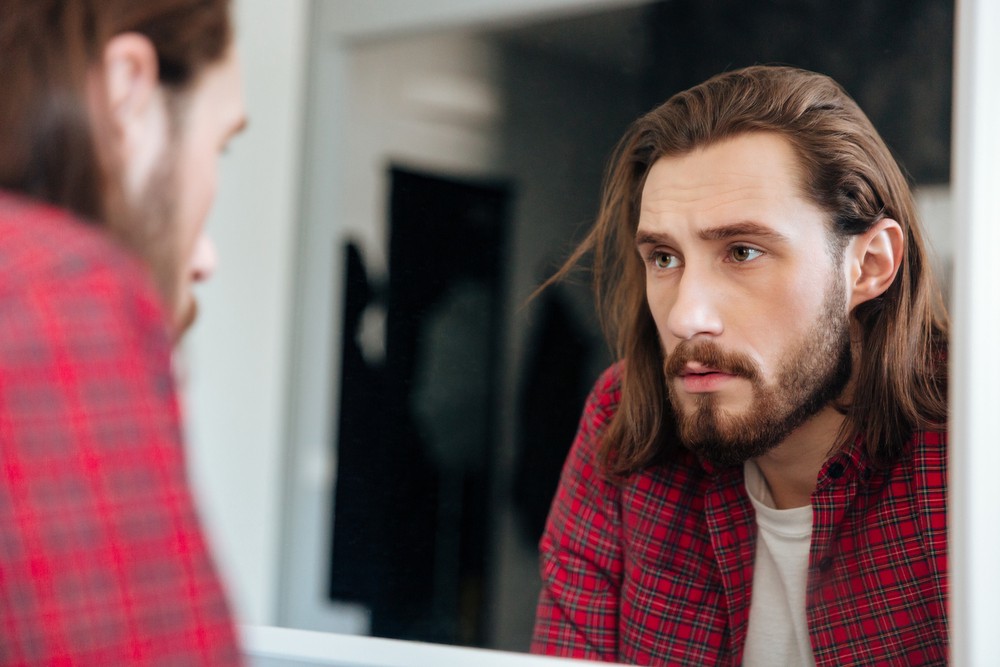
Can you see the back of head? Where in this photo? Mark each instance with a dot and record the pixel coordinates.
(53, 137)
(847, 171)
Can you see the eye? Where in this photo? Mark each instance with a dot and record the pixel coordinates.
(742, 253)
(664, 260)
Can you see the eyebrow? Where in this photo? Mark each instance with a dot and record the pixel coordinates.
(720, 233)
(745, 228)
(652, 238)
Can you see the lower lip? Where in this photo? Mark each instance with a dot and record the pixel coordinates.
(699, 384)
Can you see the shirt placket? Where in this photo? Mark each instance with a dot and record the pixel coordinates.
(835, 491)
(733, 533)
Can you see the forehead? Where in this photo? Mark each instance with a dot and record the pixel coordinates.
(751, 177)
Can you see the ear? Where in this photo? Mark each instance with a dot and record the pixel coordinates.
(131, 75)
(130, 83)
(132, 103)
(874, 258)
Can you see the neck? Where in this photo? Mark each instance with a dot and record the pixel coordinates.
(791, 468)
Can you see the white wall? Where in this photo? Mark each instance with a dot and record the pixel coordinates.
(236, 358)
(935, 207)
(563, 120)
(423, 102)
(430, 103)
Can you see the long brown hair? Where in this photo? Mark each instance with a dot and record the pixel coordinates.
(50, 139)
(901, 381)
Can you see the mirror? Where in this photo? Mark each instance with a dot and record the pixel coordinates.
(474, 159)
(453, 153)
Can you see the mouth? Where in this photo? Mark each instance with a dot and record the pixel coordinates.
(694, 369)
(698, 378)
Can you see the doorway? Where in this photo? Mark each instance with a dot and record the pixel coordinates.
(412, 515)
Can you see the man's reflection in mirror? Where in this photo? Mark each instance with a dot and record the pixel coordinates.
(761, 478)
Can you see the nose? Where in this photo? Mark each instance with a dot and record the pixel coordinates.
(695, 309)
(203, 259)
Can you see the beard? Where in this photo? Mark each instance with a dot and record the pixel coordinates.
(184, 317)
(814, 372)
(151, 231)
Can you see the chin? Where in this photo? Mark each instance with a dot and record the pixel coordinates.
(185, 318)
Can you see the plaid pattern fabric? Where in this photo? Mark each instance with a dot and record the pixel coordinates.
(102, 561)
(658, 570)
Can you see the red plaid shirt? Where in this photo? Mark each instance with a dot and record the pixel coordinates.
(658, 571)
(102, 561)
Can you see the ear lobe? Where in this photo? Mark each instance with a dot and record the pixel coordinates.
(875, 257)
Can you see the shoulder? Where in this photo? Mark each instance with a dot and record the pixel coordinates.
(598, 411)
(605, 395)
(921, 469)
(583, 466)
(929, 449)
(928, 472)
(47, 252)
(919, 480)
(38, 240)
(70, 295)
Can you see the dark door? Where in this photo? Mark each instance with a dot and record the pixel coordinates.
(412, 511)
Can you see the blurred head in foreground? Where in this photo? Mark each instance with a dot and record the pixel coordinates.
(118, 110)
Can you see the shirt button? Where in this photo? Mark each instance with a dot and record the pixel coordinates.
(825, 564)
(866, 474)
(836, 470)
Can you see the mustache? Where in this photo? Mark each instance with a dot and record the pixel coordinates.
(709, 354)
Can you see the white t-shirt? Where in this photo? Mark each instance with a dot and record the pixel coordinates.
(778, 634)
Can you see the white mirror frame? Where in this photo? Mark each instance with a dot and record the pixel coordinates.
(284, 647)
(975, 356)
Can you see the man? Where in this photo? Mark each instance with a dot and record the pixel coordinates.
(112, 116)
(761, 479)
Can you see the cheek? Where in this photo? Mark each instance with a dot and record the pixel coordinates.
(203, 198)
(197, 193)
(774, 324)
(659, 301)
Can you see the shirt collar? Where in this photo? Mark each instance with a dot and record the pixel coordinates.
(849, 462)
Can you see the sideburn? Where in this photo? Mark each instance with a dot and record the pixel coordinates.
(146, 224)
